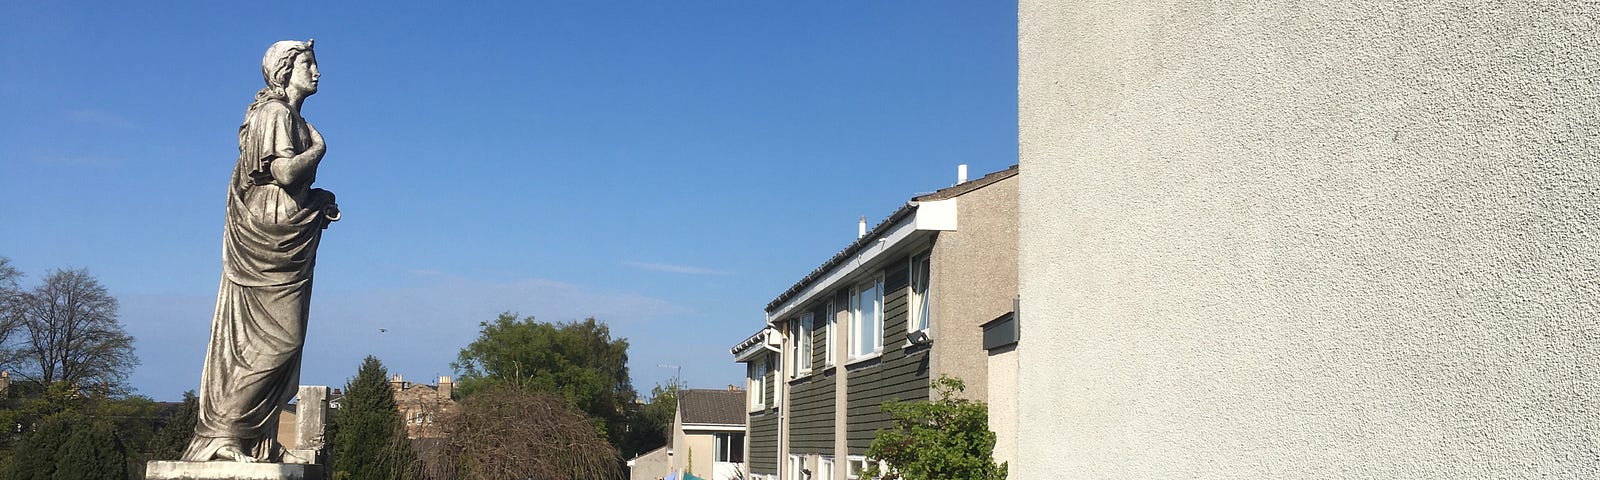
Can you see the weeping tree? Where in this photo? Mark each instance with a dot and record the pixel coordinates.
(507, 433)
(578, 361)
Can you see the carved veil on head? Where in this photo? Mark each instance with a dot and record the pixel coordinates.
(277, 65)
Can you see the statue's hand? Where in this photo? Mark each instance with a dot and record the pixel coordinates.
(332, 212)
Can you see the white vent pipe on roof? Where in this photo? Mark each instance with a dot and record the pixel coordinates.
(961, 174)
(861, 228)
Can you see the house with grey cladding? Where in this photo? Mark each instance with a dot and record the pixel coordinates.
(903, 304)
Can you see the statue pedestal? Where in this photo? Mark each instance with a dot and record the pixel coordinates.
(165, 470)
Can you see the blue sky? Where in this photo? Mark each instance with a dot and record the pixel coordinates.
(667, 167)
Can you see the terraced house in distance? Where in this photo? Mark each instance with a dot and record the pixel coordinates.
(902, 305)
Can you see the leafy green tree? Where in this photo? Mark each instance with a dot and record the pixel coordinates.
(92, 452)
(170, 441)
(369, 442)
(648, 425)
(578, 361)
(945, 439)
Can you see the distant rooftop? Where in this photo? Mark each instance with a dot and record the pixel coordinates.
(712, 406)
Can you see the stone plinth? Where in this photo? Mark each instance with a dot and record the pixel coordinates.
(164, 470)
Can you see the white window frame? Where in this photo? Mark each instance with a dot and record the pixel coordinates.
(795, 464)
(723, 444)
(832, 315)
(918, 303)
(757, 382)
(858, 464)
(824, 468)
(858, 344)
(802, 347)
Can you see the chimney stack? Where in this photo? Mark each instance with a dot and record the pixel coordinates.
(861, 228)
(961, 174)
(396, 383)
(445, 386)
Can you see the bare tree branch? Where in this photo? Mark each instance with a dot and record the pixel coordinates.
(69, 324)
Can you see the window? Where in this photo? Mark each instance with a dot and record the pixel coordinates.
(866, 318)
(857, 465)
(758, 379)
(921, 311)
(730, 447)
(796, 465)
(827, 334)
(800, 351)
(824, 468)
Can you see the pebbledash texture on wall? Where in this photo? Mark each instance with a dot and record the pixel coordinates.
(273, 226)
(1353, 239)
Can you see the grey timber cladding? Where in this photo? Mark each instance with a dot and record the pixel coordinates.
(899, 374)
(811, 413)
(763, 454)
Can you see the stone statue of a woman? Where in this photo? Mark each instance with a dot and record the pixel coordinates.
(269, 248)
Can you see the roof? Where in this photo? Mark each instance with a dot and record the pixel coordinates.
(883, 226)
(715, 407)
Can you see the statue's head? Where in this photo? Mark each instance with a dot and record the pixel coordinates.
(290, 64)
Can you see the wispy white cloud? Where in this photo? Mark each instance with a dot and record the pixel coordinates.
(417, 331)
(67, 160)
(669, 268)
(102, 118)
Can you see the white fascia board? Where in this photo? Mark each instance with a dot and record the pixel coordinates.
(888, 241)
(770, 343)
(717, 427)
(937, 215)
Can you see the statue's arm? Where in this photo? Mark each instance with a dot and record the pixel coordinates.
(292, 170)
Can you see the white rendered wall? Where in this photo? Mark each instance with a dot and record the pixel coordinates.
(1355, 239)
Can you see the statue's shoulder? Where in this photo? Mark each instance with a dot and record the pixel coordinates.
(268, 113)
(273, 107)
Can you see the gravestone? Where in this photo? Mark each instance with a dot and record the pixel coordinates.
(310, 427)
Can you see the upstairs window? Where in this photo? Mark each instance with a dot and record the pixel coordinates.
(800, 348)
(830, 313)
(866, 318)
(921, 307)
(758, 387)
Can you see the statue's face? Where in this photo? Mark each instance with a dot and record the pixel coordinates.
(304, 75)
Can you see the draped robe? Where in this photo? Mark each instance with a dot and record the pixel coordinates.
(269, 248)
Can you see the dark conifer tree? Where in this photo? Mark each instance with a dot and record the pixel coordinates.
(369, 442)
(173, 438)
(92, 452)
(35, 456)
